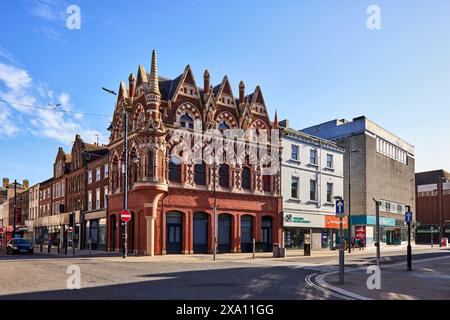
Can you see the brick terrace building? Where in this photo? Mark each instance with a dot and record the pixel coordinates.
(66, 193)
(172, 203)
(433, 205)
(95, 215)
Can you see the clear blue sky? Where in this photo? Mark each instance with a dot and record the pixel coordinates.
(315, 61)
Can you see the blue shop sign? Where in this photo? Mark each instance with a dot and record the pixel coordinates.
(370, 220)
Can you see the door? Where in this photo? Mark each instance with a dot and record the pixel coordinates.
(113, 232)
(224, 233)
(130, 233)
(93, 236)
(266, 234)
(174, 232)
(200, 233)
(246, 233)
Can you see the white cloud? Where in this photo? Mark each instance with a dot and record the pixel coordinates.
(7, 127)
(49, 10)
(5, 54)
(21, 95)
(14, 78)
(53, 14)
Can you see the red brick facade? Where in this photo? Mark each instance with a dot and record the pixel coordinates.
(172, 204)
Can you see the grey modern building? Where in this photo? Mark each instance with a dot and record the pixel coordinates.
(377, 165)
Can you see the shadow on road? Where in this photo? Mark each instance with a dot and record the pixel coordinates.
(273, 283)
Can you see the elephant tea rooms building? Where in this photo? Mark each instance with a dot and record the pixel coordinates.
(171, 196)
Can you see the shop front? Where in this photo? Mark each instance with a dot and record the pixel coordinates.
(301, 226)
(392, 231)
(55, 230)
(19, 232)
(95, 230)
(330, 233)
(2, 236)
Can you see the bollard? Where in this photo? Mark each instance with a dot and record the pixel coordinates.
(58, 247)
(65, 248)
(41, 245)
(254, 247)
(49, 247)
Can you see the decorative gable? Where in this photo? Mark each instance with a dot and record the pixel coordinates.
(257, 104)
(224, 94)
(187, 86)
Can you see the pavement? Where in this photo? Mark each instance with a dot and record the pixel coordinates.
(428, 280)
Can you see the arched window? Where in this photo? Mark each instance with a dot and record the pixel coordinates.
(223, 126)
(200, 174)
(150, 164)
(174, 171)
(246, 178)
(186, 121)
(224, 176)
(115, 181)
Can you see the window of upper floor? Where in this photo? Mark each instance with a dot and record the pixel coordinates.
(294, 152)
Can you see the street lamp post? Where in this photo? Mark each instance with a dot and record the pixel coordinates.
(125, 182)
(214, 211)
(349, 198)
(15, 209)
(377, 231)
(125, 173)
(408, 249)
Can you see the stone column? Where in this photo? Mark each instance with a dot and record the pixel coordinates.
(150, 235)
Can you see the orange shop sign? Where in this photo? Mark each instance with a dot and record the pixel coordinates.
(332, 222)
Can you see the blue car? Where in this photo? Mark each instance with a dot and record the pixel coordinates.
(18, 245)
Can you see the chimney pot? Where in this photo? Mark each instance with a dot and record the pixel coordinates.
(241, 92)
(206, 82)
(131, 85)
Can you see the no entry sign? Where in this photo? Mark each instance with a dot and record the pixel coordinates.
(125, 216)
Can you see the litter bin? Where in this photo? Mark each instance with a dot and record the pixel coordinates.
(276, 250)
(307, 245)
(444, 242)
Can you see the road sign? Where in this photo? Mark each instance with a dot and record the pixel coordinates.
(339, 208)
(408, 217)
(125, 216)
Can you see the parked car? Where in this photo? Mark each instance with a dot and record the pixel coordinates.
(19, 245)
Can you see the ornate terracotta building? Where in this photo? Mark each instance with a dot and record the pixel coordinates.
(172, 201)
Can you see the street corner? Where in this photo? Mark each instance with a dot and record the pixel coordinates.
(428, 280)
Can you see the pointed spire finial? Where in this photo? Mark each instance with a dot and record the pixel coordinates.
(153, 84)
(275, 120)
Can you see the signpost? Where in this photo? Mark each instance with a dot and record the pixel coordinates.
(125, 216)
(408, 219)
(340, 213)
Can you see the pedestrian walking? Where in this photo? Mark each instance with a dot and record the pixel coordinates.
(353, 242)
(361, 244)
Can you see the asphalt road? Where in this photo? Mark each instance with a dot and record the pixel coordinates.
(39, 277)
